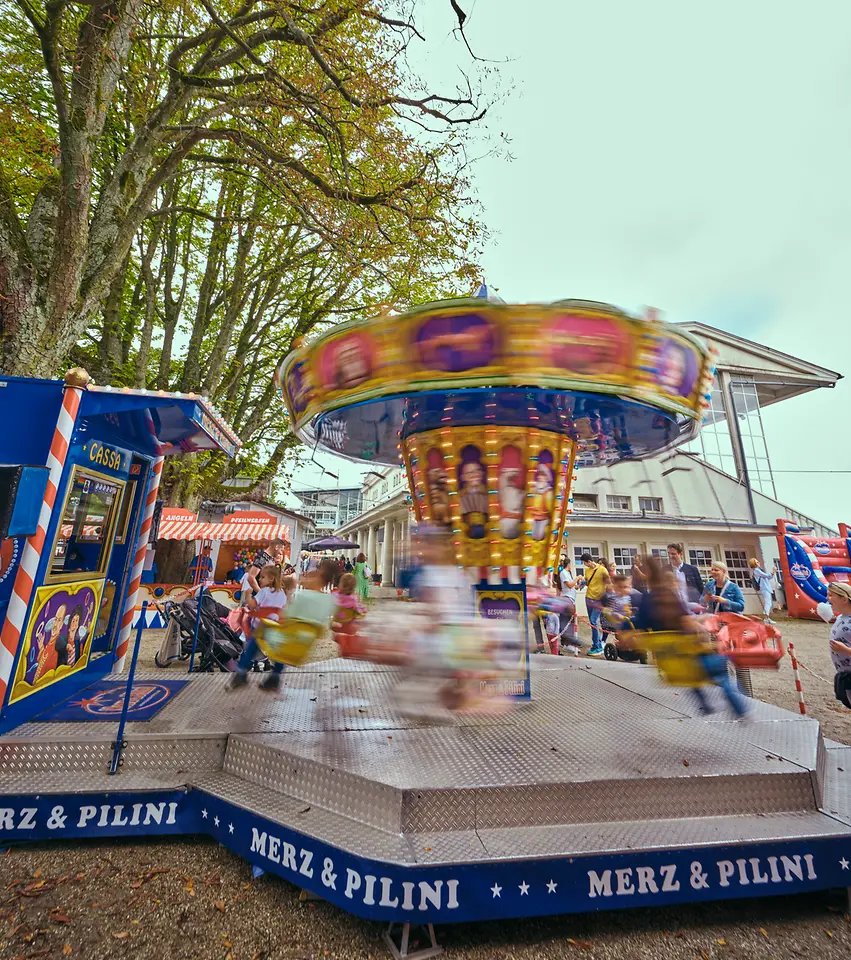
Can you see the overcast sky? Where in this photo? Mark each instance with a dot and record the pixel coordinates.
(693, 159)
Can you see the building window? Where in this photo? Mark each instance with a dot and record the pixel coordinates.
(623, 504)
(585, 501)
(737, 565)
(623, 558)
(650, 504)
(702, 559)
(660, 552)
(578, 568)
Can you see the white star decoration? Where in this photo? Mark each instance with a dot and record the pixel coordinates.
(496, 890)
(524, 889)
(843, 863)
(230, 828)
(551, 887)
(216, 821)
(204, 814)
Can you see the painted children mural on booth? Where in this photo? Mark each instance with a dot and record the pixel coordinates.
(58, 637)
(541, 503)
(473, 492)
(512, 492)
(456, 343)
(438, 487)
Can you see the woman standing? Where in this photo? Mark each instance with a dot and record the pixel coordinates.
(361, 577)
(764, 583)
(721, 595)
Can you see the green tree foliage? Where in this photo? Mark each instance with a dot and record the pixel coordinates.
(188, 185)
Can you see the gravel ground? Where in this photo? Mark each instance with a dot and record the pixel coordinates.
(193, 900)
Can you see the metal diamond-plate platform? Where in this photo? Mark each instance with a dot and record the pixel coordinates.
(604, 759)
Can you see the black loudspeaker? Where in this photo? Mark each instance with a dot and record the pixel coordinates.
(21, 495)
(155, 522)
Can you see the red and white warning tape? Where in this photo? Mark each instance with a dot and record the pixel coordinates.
(801, 705)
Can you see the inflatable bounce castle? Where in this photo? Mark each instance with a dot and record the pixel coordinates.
(809, 564)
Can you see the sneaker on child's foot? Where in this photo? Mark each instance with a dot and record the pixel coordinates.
(271, 681)
(239, 679)
(595, 653)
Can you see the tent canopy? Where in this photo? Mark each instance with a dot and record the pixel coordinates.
(260, 532)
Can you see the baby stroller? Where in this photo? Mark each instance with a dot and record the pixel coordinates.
(218, 647)
(621, 631)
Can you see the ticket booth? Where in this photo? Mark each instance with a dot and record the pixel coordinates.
(68, 584)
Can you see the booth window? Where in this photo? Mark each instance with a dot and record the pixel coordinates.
(84, 539)
(121, 529)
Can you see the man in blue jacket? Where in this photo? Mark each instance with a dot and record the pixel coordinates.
(688, 576)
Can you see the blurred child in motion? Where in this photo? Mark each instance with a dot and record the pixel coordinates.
(663, 609)
(350, 609)
(267, 604)
(445, 618)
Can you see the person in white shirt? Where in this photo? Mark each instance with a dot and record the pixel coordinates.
(567, 620)
(267, 603)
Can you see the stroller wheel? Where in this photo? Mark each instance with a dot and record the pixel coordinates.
(610, 651)
(157, 661)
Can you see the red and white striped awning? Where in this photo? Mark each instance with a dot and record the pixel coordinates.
(250, 532)
(90, 530)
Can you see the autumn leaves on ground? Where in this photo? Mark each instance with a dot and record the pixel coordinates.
(190, 899)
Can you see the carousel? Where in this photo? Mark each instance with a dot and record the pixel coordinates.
(602, 789)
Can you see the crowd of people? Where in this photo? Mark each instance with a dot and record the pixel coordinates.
(613, 597)
(658, 595)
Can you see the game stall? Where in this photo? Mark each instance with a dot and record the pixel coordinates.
(230, 545)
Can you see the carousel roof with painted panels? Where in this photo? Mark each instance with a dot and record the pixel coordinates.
(621, 387)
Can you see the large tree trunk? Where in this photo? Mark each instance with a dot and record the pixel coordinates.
(173, 558)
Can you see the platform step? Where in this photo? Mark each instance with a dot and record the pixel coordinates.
(478, 779)
(166, 756)
(470, 846)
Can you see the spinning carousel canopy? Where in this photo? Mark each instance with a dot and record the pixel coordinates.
(621, 387)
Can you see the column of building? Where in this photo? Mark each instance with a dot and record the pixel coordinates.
(387, 553)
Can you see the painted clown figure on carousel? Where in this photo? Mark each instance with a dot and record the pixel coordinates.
(542, 500)
(474, 496)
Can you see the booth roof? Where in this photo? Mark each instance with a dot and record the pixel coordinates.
(181, 420)
(182, 529)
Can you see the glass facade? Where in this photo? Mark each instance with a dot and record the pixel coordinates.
(330, 509)
(746, 407)
(714, 444)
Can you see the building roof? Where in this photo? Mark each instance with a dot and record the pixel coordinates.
(778, 376)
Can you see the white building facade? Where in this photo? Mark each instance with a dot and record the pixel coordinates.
(716, 497)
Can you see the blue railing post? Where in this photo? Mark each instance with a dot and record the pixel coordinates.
(118, 746)
(197, 627)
